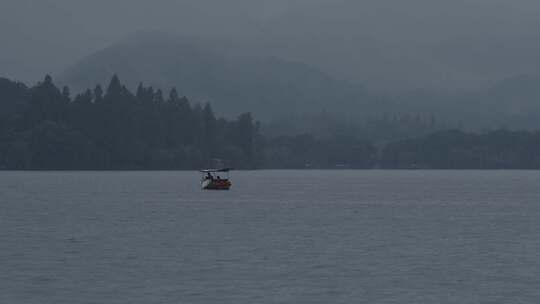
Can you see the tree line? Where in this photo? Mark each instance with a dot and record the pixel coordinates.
(43, 127)
(456, 149)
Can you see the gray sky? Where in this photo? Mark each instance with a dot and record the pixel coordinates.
(383, 43)
(41, 36)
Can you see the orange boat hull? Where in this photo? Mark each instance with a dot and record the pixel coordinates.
(216, 185)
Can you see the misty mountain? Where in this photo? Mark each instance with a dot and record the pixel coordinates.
(211, 72)
(395, 44)
(236, 79)
(516, 100)
(510, 103)
(387, 44)
(40, 37)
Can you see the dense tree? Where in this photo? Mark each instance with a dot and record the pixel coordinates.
(116, 130)
(43, 127)
(455, 149)
(14, 96)
(46, 102)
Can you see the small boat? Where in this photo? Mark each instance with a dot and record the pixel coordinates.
(211, 179)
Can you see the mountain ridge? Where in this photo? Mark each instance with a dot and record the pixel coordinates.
(232, 80)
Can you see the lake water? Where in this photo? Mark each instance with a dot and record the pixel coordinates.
(277, 237)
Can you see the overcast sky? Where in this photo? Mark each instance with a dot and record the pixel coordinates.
(41, 36)
(417, 41)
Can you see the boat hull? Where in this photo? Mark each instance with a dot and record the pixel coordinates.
(216, 185)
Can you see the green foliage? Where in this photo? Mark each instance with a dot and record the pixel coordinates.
(45, 128)
(116, 130)
(455, 149)
(14, 96)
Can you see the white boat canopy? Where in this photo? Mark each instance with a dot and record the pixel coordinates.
(216, 170)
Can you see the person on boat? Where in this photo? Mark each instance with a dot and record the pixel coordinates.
(218, 177)
(209, 176)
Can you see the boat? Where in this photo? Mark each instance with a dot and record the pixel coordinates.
(211, 179)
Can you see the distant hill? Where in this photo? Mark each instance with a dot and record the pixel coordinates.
(233, 82)
(516, 100)
(400, 45)
(511, 103)
(393, 45)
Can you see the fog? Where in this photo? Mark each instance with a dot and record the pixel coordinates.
(273, 84)
(386, 44)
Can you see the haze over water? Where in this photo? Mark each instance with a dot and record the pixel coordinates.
(277, 237)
